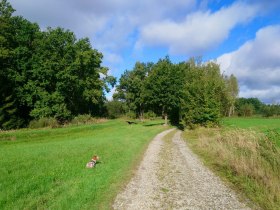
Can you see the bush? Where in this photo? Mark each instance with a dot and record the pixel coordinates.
(44, 122)
(115, 109)
(131, 115)
(246, 110)
(83, 119)
(150, 115)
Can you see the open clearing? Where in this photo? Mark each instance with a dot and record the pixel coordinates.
(45, 168)
(172, 177)
(262, 124)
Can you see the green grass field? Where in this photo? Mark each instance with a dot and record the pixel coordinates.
(262, 124)
(270, 126)
(45, 168)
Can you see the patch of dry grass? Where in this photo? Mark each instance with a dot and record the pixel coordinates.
(249, 159)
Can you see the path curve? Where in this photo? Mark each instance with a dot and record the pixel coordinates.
(170, 176)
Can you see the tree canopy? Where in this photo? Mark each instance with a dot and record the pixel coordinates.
(189, 92)
(47, 73)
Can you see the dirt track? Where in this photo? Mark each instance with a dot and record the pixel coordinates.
(170, 176)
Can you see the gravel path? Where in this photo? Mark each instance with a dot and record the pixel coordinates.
(172, 177)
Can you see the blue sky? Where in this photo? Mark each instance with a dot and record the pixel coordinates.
(243, 36)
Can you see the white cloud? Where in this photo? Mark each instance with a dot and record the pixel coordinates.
(199, 31)
(109, 96)
(257, 65)
(111, 25)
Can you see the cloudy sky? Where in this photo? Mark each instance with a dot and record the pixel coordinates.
(243, 36)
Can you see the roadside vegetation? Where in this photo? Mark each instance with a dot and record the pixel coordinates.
(45, 168)
(245, 152)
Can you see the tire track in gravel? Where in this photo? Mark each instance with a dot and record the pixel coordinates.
(170, 176)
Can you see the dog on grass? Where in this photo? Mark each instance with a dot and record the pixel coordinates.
(92, 162)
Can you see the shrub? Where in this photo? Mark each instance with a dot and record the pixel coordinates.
(83, 119)
(246, 110)
(131, 115)
(115, 109)
(44, 122)
(150, 115)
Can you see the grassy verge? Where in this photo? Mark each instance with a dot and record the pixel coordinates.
(45, 168)
(246, 158)
(268, 126)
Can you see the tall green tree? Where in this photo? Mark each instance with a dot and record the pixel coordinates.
(131, 87)
(231, 94)
(65, 78)
(10, 113)
(202, 94)
(163, 87)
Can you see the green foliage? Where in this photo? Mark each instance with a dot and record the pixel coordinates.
(201, 103)
(131, 115)
(131, 87)
(115, 109)
(49, 73)
(150, 115)
(9, 114)
(230, 95)
(6, 9)
(254, 103)
(271, 110)
(274, 136)
(246, 110)
(189, 92)
(44, 122)
(164, 87)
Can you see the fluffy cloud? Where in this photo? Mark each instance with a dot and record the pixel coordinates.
(199, 31)
(257, 65)
(111, 25)
(114, 20)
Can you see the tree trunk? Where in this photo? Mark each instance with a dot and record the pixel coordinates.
(164, 114)
(165, 119)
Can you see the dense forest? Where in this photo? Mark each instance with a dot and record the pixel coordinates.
(52, 74)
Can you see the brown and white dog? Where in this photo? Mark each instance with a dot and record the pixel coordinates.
(93, 161)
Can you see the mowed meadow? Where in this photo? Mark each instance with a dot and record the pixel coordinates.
(246, 153)
(45, 168)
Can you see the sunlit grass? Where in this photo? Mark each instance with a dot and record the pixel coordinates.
(248, 158)
(45, 168)
(253, 123)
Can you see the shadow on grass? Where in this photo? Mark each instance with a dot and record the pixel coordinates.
(153, 124)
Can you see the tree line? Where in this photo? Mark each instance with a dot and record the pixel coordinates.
(47, 73)
(52, 74)
(188, 93)
(247, 107)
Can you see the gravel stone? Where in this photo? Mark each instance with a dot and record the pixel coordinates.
(171, 176)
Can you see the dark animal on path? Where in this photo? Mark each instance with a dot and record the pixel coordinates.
(92, 162)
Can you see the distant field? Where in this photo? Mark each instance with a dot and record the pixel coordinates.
(265, 125)
(262, 124)
(45, 168)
